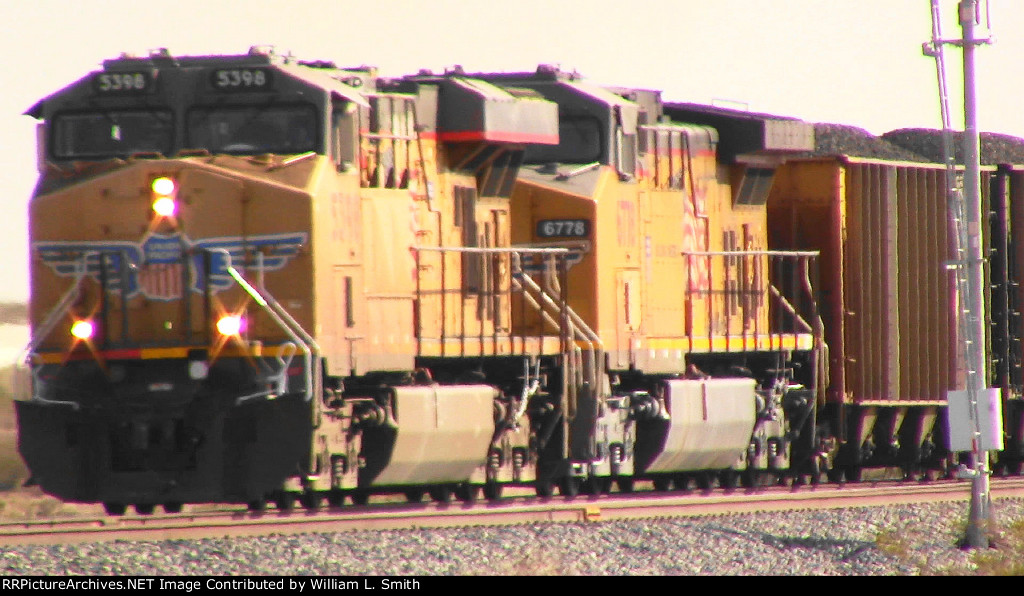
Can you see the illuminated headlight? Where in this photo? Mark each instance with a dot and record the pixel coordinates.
(163, 186)
(164, 206)
(82, 329)
(164, 189)
(230, 325)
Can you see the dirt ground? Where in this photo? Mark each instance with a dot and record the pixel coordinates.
(18, 502)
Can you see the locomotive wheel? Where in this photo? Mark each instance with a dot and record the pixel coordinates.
(492, 491)
(815, 474)
(414, 495)
(467, 493)
(145, 508)
(569, 486)
(913, 474)
(441, 493)
(750, 478)
(853, 473)
(704, 481)
(115, 508)
(682, 482)
(311, 500)
(173, 507)
(335, 498)
(663, 483)
(545, 488)
(360, 496)
(285, 501)
(728, 479)
(836, 475)
(625, 484)
(596, 485)
(257, 505)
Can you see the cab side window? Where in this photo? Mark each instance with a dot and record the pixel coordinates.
(344, 129)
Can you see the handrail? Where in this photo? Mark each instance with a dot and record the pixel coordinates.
(813, 327)
(496, 249)
(49, 323)
(578, 323)
(752, 253)
(818, 329)
(59, 309)
(309, 347)
(788, 306)
(578, 328)
(575, 329)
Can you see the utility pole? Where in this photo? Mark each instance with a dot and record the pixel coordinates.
(974, 414)
(978, 527)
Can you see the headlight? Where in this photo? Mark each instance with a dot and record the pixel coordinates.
(230, 325)
(164, 189)
(163, 186)
(164, 206)
(82, 329)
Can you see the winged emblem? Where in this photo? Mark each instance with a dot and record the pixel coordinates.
(160, 266)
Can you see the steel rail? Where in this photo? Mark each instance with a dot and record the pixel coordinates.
(512, 510)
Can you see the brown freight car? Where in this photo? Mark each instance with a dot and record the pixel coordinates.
(889, 301)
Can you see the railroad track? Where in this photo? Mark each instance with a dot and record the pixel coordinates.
(511, 510)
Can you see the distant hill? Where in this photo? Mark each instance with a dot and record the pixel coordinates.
(13, 313)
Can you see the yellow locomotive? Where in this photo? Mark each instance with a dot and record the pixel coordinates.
(255, 278)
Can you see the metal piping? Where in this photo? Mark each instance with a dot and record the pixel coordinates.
(295, 331)
(60, 308)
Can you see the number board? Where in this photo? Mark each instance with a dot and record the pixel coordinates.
(241, 79)
(117, 83)
(563, 228)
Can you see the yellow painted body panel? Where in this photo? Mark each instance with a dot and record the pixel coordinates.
(358, 259)
(638, 287)
(215, 204)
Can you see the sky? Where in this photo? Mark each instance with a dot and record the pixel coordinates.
(855, 62)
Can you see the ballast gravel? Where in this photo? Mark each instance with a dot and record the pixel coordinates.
(894, 540)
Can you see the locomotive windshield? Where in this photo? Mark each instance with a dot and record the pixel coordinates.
(579, 141)
(252, 129)
(111, 133)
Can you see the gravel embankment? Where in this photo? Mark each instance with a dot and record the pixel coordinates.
(830, 542)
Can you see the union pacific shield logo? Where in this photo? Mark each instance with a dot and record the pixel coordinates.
(161, 266)
(160, 275)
